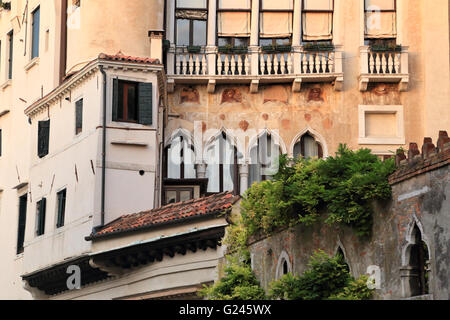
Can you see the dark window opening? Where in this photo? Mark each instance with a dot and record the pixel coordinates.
(22, 223)
(341, 259)
(36, 17)
(61, 202)
(285, 267)
(174, 195)
(40, 211)
(132, 102)
(43, 138)
(419, 260)
(10, 54)
(79, 116)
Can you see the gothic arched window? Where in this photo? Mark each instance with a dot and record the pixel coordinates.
(180, 159)
(308, 147)
(264, 157)
(222, 166)
(418, 261)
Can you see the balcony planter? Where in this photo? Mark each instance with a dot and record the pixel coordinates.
(5, 5)
(276, 49)
(230, 50)
(194, 49)
(318, 47)
(385, 48)
(166, 45)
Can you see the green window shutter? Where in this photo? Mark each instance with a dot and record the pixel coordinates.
(145, 103)
(41, 217)
(43, 138)
(115, 102)
(79, 116)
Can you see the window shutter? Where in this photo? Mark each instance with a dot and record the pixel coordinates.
(41, 217)
(79, 115)
(43, 138)
(145, 103)
(115, 103)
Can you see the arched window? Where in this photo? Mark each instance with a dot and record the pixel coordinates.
(341, 258)
(308, 147)
(418, 261)
(264, 157)
(180, 159)
(222, 166)
(283, 266)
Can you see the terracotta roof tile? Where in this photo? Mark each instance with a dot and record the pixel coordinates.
(121, 57)
(215, 204)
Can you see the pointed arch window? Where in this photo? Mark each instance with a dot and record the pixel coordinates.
(264, 156)
(341, 258)
(180, 159)
(222, 166)
(284, 266)
(308, 147)
(418, 261)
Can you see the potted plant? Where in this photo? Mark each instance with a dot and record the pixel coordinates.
(386, 47)
(5, 5)
(318, 46)
(276, 48)
(194, 49)
(231, 49)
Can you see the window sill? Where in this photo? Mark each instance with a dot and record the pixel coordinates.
(6, 84)
(130, 143)
(32, 63)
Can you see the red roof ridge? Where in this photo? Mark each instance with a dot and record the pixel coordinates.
(194, 208)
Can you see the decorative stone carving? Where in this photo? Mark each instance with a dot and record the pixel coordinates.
(315, 94)
(243, 125)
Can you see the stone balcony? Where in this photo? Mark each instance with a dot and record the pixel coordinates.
(211, 67)
(384, 66)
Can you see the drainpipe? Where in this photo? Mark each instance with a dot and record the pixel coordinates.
(103, 148)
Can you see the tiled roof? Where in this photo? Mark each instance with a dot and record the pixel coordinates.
(121, 57)
(196, 208)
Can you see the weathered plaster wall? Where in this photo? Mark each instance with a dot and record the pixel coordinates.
(421, 200)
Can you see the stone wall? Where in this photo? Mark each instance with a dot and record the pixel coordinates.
(421, 193)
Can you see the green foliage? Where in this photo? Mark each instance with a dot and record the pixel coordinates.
(343, 186)
(325, 278)
(239, 283)
(356, 290)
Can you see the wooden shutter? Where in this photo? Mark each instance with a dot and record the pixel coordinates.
(145, 103)
(43, 138)
(22, 223)
(115, 102)
(41, 216)
(78, 116)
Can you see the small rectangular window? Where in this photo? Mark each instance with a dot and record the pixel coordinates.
(61, 202)
(381, 19)
(191, 22)
(133, 102)
(174, 195)
(276, 20)
(22, 223)
(10, 54)
(40, 212)
(317, 20)
(79, 116)
(43, 138)
(36, 17)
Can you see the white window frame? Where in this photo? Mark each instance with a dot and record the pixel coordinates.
(381, 109)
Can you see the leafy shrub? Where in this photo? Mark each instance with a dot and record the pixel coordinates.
(324, 277)
(343, 186)
(239, 283)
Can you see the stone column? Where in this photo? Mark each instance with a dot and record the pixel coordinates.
(243, 175)
(211, 41)
(170, 35)
(201, 170)
(254, 39)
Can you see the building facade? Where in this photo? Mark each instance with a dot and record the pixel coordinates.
(111, 107)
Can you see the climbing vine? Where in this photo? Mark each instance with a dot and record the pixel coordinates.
(341, 188)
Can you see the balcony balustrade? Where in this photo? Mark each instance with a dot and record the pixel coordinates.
(254, 66)
(384, 66)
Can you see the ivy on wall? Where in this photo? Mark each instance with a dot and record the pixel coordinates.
(342, 188)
